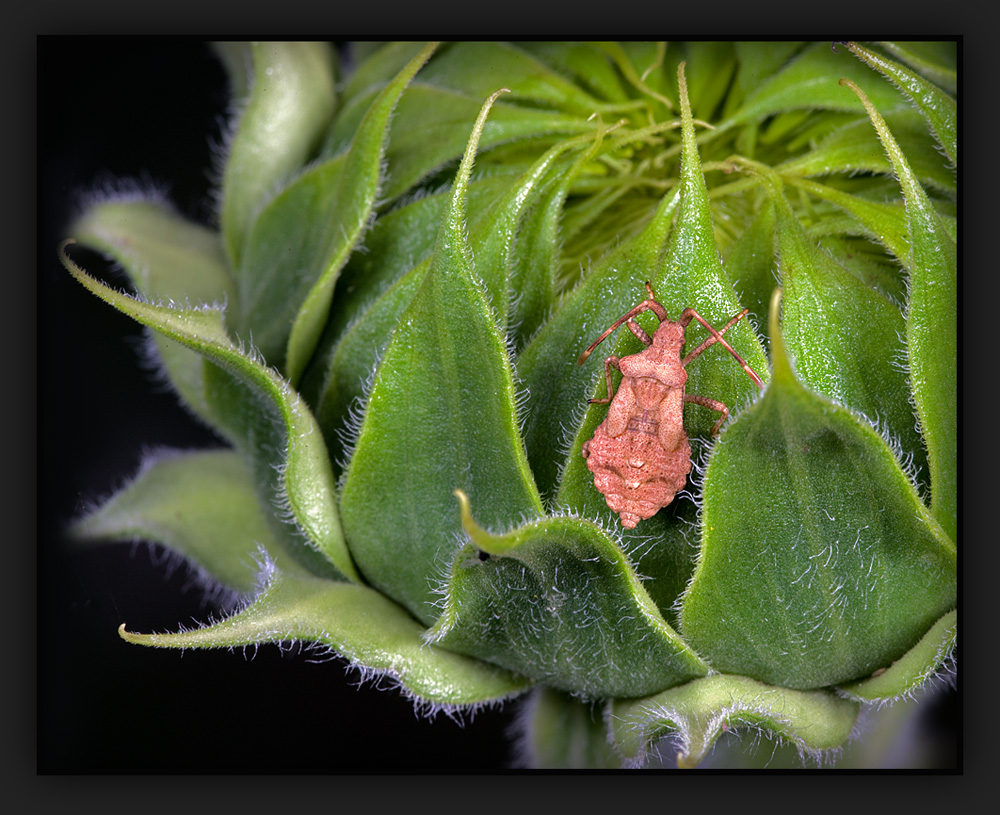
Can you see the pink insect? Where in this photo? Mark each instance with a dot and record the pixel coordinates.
(640, 454)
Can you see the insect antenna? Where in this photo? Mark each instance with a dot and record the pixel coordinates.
(646, 305)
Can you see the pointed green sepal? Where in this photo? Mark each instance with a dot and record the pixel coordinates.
(168, 259)
(305, 481)
(302, 238)
(836, 570)
(549, 597)
(358, 624)
(845, 336)
(940, 109)
(931, 327)
(441, 416)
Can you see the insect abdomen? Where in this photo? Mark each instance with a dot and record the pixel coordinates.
(636, 475)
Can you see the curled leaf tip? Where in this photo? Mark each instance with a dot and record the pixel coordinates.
(479, 536)
(134, 638)
(776, 299)
(483, 540)
(64, 258)
(465, 508)
(73, 268)
(779, 357)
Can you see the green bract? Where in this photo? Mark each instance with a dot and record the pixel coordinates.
(386, 323)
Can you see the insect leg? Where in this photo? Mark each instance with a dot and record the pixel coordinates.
(716, 337)
(609, 363)
(711, 404)
(639, 331)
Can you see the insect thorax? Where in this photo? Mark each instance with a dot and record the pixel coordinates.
(654, 364)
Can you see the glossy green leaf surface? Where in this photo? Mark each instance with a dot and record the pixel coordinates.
(355, 355)
(402, 239)
(285, 254)
(709, 69)
(584, 63)
(527, 78)
(430, 129)
(358, 186)
(377, 69)
(761, 61)
(378, 284)
(854, 148)
(290, 267)
(808, 82)
(881, 221)
(750, 266)
(935, 60)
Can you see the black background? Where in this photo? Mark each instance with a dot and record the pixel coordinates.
(147, 109)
